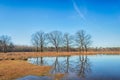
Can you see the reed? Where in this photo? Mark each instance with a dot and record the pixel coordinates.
(25, 55)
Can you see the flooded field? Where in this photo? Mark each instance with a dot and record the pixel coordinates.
(94, 67)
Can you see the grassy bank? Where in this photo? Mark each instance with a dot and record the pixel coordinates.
(25, 55)
(10, 69)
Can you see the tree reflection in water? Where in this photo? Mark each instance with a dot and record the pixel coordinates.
(67, 67)
(80, 67)
(83, 67)
(38, 61)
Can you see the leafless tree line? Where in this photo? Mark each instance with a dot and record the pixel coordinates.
(57, 39)
(54, 40)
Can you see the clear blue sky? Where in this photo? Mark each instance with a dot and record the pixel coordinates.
(100, 18)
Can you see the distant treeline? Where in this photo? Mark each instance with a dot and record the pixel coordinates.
(18, 48)
(53, 41)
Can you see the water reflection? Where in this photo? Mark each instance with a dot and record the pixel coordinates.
(75, 66)
(94, 67)
(84, 66)
(38, 61)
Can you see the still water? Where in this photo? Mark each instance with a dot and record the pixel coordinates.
(94, 67)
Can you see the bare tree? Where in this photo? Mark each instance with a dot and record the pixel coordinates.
(5, 42)
(55, 39)
(68, 39)
(80, 39)
(83, 40)
(87, 42)
(11, 47)
(39, 40)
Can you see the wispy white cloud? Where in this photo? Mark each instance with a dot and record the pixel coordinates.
(78, 10)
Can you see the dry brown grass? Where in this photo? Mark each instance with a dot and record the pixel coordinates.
(10, 70)
(25, 55)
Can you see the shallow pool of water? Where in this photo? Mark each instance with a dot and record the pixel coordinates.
(94, 67)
